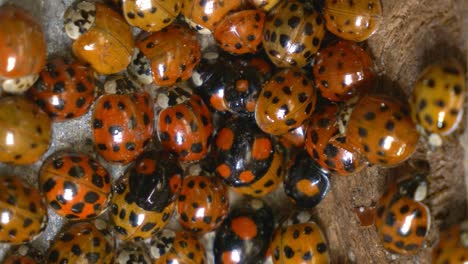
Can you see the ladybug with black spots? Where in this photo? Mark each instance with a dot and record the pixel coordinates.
(328, 147)
(342, 71)
(65, 89)
(240, 32)
(452, 246)
(231, 84)
(26, 131)
(143, 198)
(437, 101)
(299, 243)
(292, 33)
(203, 16)
(165, 57)
(245, 234)
(177, 247)
(82, 242)
(23, 49)
(305, 183)
(183, 123)
(402, 219)
(75, 185)
(101, 36)
(151, 16)
(24, 211)
(202, 203)
(355, 20)
(246, 158)
(285, 102)
(122, 121)
(380, 128)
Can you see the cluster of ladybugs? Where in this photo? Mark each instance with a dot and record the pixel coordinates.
(252, 126)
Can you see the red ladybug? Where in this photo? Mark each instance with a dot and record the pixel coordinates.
(122, 121)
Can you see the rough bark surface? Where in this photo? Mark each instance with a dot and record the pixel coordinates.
(412, 35)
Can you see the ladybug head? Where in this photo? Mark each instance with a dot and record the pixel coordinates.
(79, 18)
(119, 84)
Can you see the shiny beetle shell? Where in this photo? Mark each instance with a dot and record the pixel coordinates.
(183, 126)
(101, 36)
(246, 158)
(328, 147)
(266, 5)
(353, 20)
(130, 221)
(75, 185)
(402, 220)
(285, 102)
(153, 15)
(452, 246)
(292, 34)
(207, 14)
(22, 49)
(380, 128)
(165, 57)
(299, 243)
(306, 184)
(438, 98)
(343, 71)
(26, 131)
(182, 247)
(240, 32)
(122, 123)
(202, 203)
(82, 242)
(24, 211)
(65, 89)
(245, 234)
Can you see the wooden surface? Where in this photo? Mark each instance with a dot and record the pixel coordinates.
(412, 35)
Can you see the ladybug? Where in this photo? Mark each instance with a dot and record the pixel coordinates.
(183, 123)
(82, 242)
(294, 138)
(380, 128)
(244, 236)
(153, 15)
(65, 89)
(177, 247)
(353, 20)
(240, 32)
(26, 131)
(75, 185)
(132, 253)
(285, 102)
(203, 16)
(122, 121)
(230, 84)
(165, 57)
(24, 211)
(24, 255)
(292, 34)
(299, 243)
(342, 71)
(246, 158)
(22, 49)
(402, 219)
(143, 199)
(101, 36)
(202, 203)
(306, 184)
(266, 5)
(437, 100)
(328, 147)
(452, 246)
